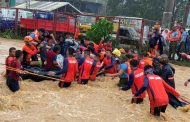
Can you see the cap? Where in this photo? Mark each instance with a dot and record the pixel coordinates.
(116, 52)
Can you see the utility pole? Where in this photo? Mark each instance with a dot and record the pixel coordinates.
(168, 13)
(186, 13)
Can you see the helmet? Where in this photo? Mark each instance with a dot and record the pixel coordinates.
(28, 39)
(116, 52)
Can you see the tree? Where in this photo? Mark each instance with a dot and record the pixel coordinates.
(103, 28)
(147, 9)
(186, 13)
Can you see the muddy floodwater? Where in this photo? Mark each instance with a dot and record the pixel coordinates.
(100, 101)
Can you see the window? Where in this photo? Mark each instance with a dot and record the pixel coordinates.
(72, 21)
(62, 19)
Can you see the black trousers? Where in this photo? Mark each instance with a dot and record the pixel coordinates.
(12, 84)
(64, 84)
(157, 110)
(84, 81)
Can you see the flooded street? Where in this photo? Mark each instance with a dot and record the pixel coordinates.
(99, 101)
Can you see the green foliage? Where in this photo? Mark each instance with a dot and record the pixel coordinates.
(147, 9)
(8, 34)
(102, 28)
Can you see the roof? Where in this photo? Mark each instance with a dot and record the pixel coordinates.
(46, 6)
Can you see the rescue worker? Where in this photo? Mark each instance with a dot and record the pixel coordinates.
(51, 62)
(136, 81)
(29, 52)
(168, 75)
(96, 68)
(10, 58)
(87, 65)
(122, 73)
(167, 71)
(156, 66)
(157, 90)
(109, 63)
(69, 71)
(13, 76)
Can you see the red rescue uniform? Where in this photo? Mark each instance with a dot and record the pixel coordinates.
(72, 70)
(95, 71)
(157, 91)
(107, 62)
(141, 64)
(138, 82)
(86, 69)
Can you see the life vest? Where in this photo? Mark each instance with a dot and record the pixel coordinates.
(111, 70)
(168, 37)
(72, 70)
(28, 52)
(156, 91)
(138, 82)
(141, 64)
(95, 71)
(86, 68)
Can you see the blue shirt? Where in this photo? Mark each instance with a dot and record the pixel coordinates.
(174, 34)
(123, 67)
(184, 36)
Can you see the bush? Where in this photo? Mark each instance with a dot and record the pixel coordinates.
(8, 34)
(102, 28)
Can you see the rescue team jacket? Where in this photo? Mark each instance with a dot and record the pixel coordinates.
(86, 68)
(95, 71)
(70, 69)
(8, 62)
(30, 51)
(110, 65)
(141, 64)
(138, 80)
(156, 88)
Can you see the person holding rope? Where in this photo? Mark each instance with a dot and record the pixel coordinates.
(13, 76)
(10, 58)
(157, 90)
(69, 71)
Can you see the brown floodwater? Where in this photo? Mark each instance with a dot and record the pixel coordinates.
(100, 101)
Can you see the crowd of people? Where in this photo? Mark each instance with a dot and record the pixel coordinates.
(175, 42)
(83, 61)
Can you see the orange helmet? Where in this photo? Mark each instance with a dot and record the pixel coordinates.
(28, 39)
